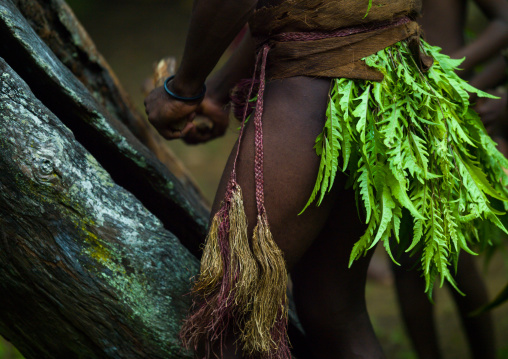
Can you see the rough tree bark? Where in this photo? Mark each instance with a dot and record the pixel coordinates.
(57, 26)
(86, 271)
(100, 225)
(101, 129)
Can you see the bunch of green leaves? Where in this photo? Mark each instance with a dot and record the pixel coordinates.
(411, 141)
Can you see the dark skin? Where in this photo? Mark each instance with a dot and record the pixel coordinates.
(443, 23)
(316, 245)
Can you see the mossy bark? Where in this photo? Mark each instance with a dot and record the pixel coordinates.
(87, 271)
(87, 268)
(96, 125)
(55, 23)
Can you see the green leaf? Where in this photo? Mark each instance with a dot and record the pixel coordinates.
(366, 191)
(480, 93)
(387, 205)
(480, 179)
(317, 186)
(399, 192)
(368, 9)
(361, 112)
(411, 141)
(362, 244)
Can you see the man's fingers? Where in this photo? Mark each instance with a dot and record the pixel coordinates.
(196, 139)
(176, 120)
(170, 134)
(195, 136)
(188, 127)
(169, 116)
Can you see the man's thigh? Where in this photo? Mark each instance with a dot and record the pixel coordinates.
(293, 116)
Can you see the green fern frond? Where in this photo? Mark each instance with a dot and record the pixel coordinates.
(411, 142)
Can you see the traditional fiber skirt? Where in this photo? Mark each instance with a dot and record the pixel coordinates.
(412, 145)
(416, 155)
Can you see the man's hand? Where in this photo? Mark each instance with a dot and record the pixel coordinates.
(218, 116)
(171, 117)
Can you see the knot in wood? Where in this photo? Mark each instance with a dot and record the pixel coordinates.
(46, 167)
(43, 167)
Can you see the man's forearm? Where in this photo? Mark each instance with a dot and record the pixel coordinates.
(492, 40)
(492, 76)
(486, 46)
(239, 66)
(214, 24)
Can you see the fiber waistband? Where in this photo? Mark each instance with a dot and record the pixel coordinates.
(336, 53)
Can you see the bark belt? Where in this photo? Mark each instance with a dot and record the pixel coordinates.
(329, 38)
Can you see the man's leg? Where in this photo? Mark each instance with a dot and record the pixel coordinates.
(416, 309)
(293, 117)
(418, 312)
(479, 329)
(330, 297)
(294, 114)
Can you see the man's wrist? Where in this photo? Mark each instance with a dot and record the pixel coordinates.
(184, 87)
(219, 88)
(172, 93)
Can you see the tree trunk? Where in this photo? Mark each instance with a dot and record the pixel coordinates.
(86, 270)
(102, 132)
(57, 26)
(100, 225)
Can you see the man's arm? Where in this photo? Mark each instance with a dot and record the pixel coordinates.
(239, 66)
(214, 106)
(493, 75)
(214, 24)
(493, 39)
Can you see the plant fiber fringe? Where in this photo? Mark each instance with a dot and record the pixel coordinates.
(241, 289)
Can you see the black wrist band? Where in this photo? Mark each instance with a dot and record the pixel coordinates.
(181, 98)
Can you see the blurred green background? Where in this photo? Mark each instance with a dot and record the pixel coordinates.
(132, 35)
